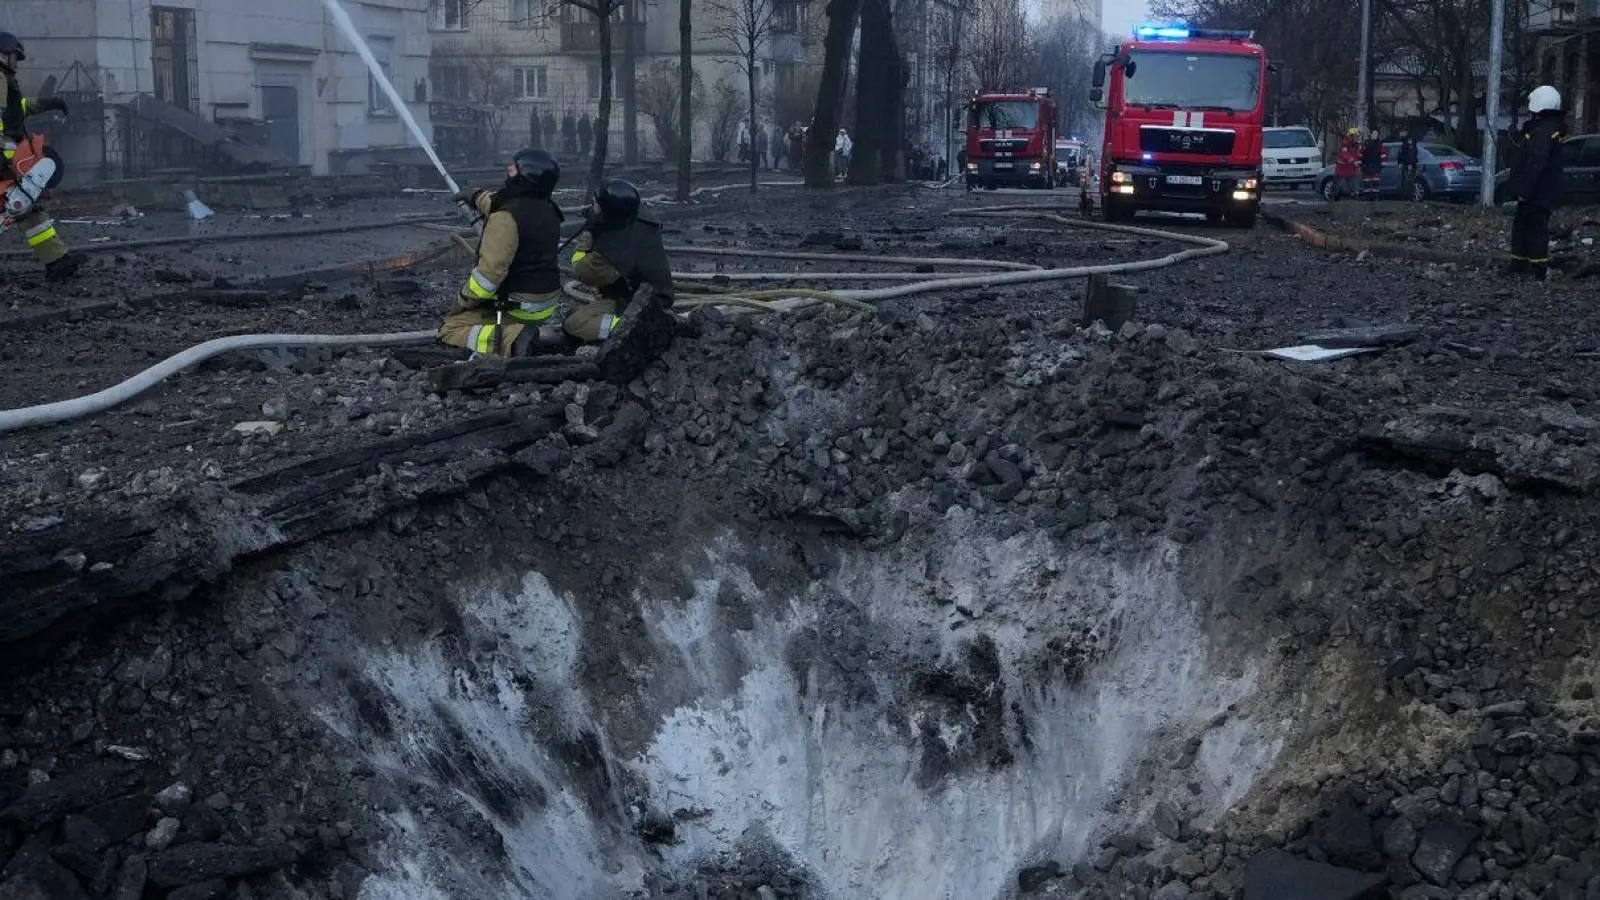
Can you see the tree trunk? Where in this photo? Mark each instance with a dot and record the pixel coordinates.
(1467, 140)
(686, 101)
(893, 113)
(874, 69)
(842, 16)
(750, 84)
(630, 81)
(602, 130)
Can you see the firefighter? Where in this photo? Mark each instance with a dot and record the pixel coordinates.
(620, 254)
(516, 284)
(1347, 165)
(1408, 167)
(37, 227)
(1536, 182)
(1372, 157)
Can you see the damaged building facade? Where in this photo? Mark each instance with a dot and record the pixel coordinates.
(1568, 33)
(222, 86)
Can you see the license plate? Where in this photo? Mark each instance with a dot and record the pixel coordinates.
(1473, 170)
(1184, 179)
(1002, 165)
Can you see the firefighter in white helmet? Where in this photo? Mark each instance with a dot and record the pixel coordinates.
(1536, 182)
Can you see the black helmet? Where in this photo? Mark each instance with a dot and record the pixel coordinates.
(618, 201)
(9, 43)
(537, 169)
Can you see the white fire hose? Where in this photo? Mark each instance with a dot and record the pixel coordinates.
(778, 300)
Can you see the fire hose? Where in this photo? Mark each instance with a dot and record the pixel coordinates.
(776, 300)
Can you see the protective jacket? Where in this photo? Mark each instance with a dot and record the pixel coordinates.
(620, 259)
(1538, 162)
(1347, 161)
(517, 254)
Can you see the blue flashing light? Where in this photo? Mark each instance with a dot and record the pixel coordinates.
(1161, 32)
(1149, 156)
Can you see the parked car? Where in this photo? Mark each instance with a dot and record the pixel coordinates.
(1290, 157)
(1582, 163)
(1443, 172)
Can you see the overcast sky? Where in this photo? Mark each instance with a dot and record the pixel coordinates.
(1122, 15)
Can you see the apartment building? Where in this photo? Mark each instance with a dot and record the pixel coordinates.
(222, 85)
(497, 64)
(1568, 33)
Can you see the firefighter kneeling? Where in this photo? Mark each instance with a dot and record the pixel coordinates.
(516, 285)
(621, 255)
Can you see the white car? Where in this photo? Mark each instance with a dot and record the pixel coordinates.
(1290, 157)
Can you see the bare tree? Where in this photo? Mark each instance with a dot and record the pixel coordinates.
(997, 48)
(842, 16)
(603, 12)
(661, 100)
(686, 74)
(747, 27)
(1061, 58)
(490, 88)
(727, 105)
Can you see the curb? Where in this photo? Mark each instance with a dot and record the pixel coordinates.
(1337, 244)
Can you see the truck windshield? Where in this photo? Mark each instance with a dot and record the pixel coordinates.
(1006, 114)
(1193, 81)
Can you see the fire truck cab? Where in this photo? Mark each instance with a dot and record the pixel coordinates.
(1184, 109)
(1011, 139)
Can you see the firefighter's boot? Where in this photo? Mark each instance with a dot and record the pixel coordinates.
(63, 267)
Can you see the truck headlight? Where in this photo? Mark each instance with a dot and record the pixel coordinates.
(1249, 184)
(1119, 177)
(1036, 166)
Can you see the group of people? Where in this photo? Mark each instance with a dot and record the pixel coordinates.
(510, 303)
(1358, 165)
(1537, 177)
(577, 134)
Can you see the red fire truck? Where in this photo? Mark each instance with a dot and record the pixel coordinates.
(1011, 139)
(1184, 111)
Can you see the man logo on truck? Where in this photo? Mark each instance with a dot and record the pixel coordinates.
(1184, 109)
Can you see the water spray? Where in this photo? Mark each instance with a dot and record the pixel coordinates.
(345, 24)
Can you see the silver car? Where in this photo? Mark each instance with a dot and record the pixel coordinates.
(1443, 172)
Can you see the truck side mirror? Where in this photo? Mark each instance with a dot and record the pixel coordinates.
(1099, 74)
(1096, 95)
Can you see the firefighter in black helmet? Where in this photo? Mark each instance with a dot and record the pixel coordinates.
(620, 254)
(516, 284)
(38, 229)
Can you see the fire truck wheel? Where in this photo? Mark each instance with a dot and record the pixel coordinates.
(1214, 218)
(1115, 212)
(1243, 219)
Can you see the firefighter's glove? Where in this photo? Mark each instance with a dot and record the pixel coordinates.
(49, 104)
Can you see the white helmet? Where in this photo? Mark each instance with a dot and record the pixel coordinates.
(1543, 99)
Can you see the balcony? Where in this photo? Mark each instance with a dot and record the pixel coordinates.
(1563, 16)
(584, 37)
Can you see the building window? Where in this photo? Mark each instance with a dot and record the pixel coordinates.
(378, 103)
(530, 82)
(450, 15)
(450, 83)
(594, 82)
(523, 13)
(786, 17)
(173, 58)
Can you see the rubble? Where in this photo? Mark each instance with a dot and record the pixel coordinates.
(1405, 537)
